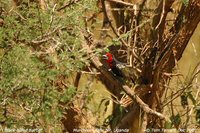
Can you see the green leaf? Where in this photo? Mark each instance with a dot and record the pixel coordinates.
(176, 120)
(198, 115)
(185, 2)
(68, 94)
(191, 97)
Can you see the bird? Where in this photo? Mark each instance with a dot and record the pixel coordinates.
(114, 65)
(121, 70)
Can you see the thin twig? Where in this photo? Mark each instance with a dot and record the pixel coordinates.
(40, 21)
(19, 15)
(121, 2)
(47, 36)
(181, 91)
(109, 21)
(162, 15)
(68, 4)
(144, 123)
(52, 15)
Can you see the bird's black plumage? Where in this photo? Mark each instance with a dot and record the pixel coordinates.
(117, 71)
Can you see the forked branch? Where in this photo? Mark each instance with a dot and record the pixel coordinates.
(96, 62)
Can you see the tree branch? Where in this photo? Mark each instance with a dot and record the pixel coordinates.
(68, 4)
(78, 76)
(121, 2)
(107, 19)
(96, 62)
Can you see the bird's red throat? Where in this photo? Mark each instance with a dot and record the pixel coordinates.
(110, 59)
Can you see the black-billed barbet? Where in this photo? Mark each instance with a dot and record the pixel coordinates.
(120, 69)
(114, 64)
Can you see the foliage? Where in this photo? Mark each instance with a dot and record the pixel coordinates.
(38, 46)
(185, 88)
(185, 2)
(176, 120)
(41, 52)
(198, 115)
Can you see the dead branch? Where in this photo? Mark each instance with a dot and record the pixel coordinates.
(121, 2)
(46, 37)
(107, 19)
(96, 62)
(76, 82)
(177, 42)
(193, 18)
(68, 4)
(144, 123)
(144, 106)
(158, 23)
